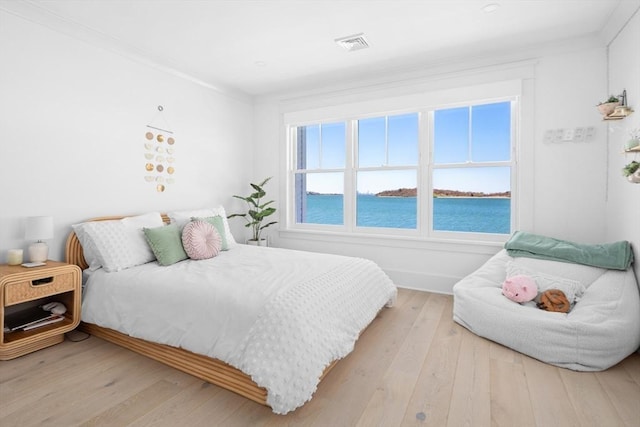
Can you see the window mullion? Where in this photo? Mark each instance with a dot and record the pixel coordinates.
(350, 179)
(425, 184)
(470, 136)
(386, 140)
(320, 146)
(473, 164)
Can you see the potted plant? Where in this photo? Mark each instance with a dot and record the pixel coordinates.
(256, 213)
(634, 142)
(632, 171)
(608, 106)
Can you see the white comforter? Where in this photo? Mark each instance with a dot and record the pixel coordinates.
(278, 315)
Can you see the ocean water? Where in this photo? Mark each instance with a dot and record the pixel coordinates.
(481, 215)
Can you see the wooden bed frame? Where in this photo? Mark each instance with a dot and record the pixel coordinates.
(206, 368)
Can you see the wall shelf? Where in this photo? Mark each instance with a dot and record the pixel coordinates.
(617, 109)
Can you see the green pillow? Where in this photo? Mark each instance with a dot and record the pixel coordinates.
(217, 222)
(166, 244)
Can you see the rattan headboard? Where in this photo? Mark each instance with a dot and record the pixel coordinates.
(73, 250)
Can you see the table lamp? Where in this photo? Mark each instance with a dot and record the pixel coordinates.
(39, 228)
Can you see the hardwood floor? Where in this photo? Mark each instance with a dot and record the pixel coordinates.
(412, 367)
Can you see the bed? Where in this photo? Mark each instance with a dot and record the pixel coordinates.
(265, 323)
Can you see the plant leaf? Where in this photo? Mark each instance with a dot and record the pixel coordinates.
(262, 206)
(264, 182)
(266, 225)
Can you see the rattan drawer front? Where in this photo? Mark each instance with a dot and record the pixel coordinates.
(28, 290)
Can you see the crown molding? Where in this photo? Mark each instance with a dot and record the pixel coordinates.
(624, 12)
(36, 13)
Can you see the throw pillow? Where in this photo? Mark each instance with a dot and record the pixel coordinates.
(182, 218)
(201, 240)
(218, 223)
(166, 244)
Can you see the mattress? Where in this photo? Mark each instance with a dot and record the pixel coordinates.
(279, 315)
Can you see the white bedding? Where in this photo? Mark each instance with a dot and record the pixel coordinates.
(278, 315)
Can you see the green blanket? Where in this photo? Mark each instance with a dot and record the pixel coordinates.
(615, 256)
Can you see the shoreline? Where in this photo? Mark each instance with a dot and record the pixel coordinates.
(413, 197)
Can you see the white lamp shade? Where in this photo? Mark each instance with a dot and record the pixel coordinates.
(39, 228)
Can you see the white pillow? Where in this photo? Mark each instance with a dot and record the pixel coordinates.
(573, 289)
(182, 218)
(117, 244)
(584, 274)
(89, 249)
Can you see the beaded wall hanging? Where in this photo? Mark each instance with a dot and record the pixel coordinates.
(159, 150)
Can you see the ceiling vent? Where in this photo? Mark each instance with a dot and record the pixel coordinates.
(354, 42)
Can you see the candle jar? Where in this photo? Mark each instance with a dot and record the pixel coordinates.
(14, 257)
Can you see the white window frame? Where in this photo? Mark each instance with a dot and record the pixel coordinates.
(416, 104)
(511, 163)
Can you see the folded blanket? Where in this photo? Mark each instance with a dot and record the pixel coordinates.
(615, 256)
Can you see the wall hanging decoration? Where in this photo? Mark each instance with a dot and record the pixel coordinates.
(615, 108)
(159, 150)
(632, 172)
(632, 169)
(633, 143)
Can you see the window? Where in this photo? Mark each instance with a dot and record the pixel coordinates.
(441, 172)
(472, 169)
(387, 160)
(319, 178)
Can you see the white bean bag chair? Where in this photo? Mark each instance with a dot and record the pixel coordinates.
(602, 328)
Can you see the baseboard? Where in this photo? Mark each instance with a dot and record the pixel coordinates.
(422, 281)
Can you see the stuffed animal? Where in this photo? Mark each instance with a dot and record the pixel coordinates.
(553, 300)
(520, 288)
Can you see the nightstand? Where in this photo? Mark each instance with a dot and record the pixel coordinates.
(23, 288)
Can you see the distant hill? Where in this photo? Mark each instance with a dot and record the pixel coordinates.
(400, 192)
(412, 192)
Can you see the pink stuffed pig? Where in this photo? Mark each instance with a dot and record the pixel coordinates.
(520, 288)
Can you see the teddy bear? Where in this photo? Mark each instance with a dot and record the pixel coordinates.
(522, 289)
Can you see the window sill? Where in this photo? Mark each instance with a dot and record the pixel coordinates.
(391, 241)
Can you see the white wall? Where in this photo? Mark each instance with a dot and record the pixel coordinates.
(72, 119)
(72, 123)
(570, 178)
(565, 188)
(623, 204)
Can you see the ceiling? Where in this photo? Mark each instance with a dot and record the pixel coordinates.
(262, 46)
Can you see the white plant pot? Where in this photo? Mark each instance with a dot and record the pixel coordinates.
(631, 144)
(634, 177)
(607, 108)
(261, 242)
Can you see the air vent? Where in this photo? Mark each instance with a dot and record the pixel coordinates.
(354, 42)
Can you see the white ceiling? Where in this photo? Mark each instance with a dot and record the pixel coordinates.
(262, 46)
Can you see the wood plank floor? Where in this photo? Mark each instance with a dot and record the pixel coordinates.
(412, 367)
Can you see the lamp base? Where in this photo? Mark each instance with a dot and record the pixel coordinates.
(38, 252)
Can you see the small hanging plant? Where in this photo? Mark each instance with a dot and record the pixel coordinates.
(634, 141)
(631, 171)
(606, 107)
(611, 99)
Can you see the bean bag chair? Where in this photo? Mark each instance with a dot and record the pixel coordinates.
(600, 330)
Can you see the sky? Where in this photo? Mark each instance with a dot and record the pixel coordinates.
(480, 133)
